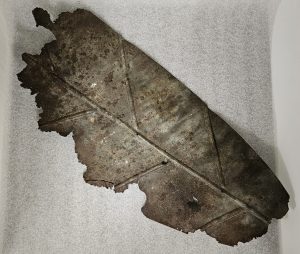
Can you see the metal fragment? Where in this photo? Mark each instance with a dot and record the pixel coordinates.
(134, 122)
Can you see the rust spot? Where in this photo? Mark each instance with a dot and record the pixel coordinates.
(194, 205)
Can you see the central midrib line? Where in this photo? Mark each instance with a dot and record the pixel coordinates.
(171, 158)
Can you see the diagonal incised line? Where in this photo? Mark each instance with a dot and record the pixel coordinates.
(220, 172)
(130, 92)
(139, 175)
(102, 111)
(222, 218)
(68, 117)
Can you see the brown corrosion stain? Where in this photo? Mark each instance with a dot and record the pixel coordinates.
(134, 122)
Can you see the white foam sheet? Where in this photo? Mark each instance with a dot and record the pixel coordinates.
(219, 49)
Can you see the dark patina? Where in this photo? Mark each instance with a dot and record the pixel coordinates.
(134, 122)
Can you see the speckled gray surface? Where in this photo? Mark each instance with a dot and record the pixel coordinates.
(220, 49)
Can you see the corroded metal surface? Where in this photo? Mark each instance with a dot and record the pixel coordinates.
(133, 122)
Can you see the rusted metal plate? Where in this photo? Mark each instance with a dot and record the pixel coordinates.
(134, 122)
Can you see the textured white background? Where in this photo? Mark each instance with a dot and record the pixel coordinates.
(219, 49)
(286, 93)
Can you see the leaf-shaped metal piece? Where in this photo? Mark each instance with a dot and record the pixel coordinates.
(133, 122)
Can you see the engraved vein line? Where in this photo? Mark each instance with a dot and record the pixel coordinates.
(139, 175)
(133, 178)
(130, 92)
(147, 81)
(222, 218)
(215, 187)
(220, 171)
(104, 112)
(67, 117)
